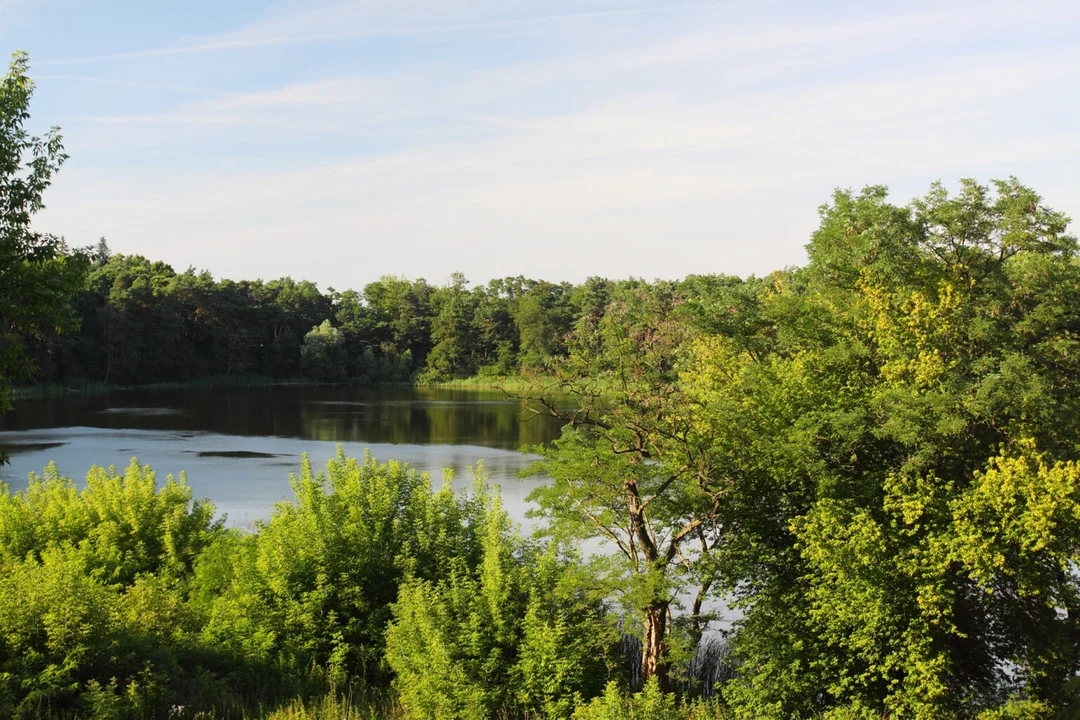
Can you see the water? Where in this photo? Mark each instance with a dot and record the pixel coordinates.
(238, 445)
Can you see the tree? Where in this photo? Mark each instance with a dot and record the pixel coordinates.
(401, 310)
(37, 272)
(454, 351)
(543, 317)
(905, 437)
(494, 328)
(631, 468)
(102, 252)
(322, 356)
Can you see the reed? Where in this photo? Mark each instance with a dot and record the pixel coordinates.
(511, 383)
(53, 391)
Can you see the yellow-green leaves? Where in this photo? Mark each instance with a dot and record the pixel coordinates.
(907, 530)
(1019, 514)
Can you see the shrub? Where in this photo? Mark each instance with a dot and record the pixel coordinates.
(521, 631)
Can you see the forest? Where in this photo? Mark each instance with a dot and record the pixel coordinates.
(872, 457)
(140, 322)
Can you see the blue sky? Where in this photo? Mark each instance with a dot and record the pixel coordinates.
(343, 141)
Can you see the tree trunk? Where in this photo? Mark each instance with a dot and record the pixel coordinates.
(653, 657)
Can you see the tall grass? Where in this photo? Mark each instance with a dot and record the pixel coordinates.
(52, 391)
(56, 390)
(510, 383)
(224, 381)
(357, 704)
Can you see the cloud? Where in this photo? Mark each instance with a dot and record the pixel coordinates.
(724, 187)
(258, 37)
(132, 84)
(663, 149)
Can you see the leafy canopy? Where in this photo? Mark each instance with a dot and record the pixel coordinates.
(37, 272)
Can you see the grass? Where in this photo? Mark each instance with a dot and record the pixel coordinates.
(223, 381)
(510, 383)
(52, 391)
(359, 702)
(333, 706)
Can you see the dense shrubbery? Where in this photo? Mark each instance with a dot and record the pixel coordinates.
(524, 628)
(125, 599)
(94, 605)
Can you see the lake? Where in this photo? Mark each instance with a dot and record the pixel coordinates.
(238, 445)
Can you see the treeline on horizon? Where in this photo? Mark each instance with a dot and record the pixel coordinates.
(141, 322)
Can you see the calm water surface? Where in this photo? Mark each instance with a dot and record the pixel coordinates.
(238, 445)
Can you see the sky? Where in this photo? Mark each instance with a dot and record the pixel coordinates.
(339, 142)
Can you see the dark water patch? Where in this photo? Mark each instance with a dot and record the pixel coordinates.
(20, 447)
(244, 454)
(143, 411)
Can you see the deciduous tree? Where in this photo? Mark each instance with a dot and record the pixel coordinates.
(37, 272)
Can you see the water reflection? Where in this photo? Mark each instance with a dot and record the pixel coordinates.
(237, 445)
(384, 415)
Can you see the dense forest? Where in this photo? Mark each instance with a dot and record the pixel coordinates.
(872, 457)
(141, 322)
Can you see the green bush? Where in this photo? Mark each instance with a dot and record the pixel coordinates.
(122, 524)
(314, 585)
(649, 704)
(93, 609)
(521, 631)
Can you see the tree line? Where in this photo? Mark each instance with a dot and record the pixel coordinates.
(141, 322)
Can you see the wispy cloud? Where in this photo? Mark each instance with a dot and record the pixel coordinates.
(133, 84)
(724, 185)
(611, 131)
(249, 39)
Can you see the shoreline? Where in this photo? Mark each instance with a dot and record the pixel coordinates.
(52, 391)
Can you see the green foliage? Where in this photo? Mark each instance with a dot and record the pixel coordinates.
(315, 584)
(454, 353)
(543, 317)
(875, 457)
(649, 704)
(93, 612)
(322, 356)
(632, 470)
(124, 598)
(141, 322)
(899, 419)
(1021, 710)
(522, 630)
(123, 525)
(37, 273)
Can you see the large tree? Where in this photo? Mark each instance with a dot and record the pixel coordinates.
(37, 272)
(906, 435)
